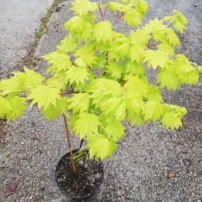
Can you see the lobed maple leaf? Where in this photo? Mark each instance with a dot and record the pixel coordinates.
(101, 147)
(68, 44)
(171, 120)
(18, 105)
(58, 62)
(153, 110)
(77, 75)
(114, 130)
(86, 124)
(79, 102)
(168, 77)
(44, 96)
(83, 7)
(156, 58)
(103, 31)
(5, 107)
(86, 56)
(132, 18)
(80, 27)
(115, 70)
(54, 111)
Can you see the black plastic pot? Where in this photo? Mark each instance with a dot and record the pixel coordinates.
(84, 184)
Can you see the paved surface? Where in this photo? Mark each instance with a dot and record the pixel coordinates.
(138, 170)
(19, 20)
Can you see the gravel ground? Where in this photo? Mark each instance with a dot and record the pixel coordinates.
(138, 172)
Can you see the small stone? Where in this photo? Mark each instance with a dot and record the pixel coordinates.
(119, 193)
(195, 5)
(42, 188)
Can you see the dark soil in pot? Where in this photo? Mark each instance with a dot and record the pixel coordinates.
(84, 183)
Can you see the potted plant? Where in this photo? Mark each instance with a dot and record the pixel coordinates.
(97, 77)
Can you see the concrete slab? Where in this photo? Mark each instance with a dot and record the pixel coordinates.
(19, 20)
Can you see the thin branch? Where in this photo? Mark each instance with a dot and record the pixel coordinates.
(72, 88)
(118, 17)
(100, 11)
(81, 143)
(69, 143)
(72, 60)
(105, 11)
(173, 19)
(66, 93)
(115, 17)
(94, 21)
(152, 45)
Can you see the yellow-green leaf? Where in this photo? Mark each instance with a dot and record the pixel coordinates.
(86, 56)
(153, 110)
(82, 7)
(68, 44)
(18, 105)
(102, 86)
(134, 101)
(103, 31)
(119, 48)
(179, 26)
(138, 85)
(44, 96)
(114, 130)
(171, 120)
(156, 58)
(53, 112)
(136, 118)
(143, 6)
(32, 78)
(5, 107)
(168, 77)
(101, 147)
(77, 74)
(157, 29)
(172, 37)
(86, 125)
(114, 6)
(187, 73)
(154, 94)
(134, 68)
(58, 61)
(166, 48)
(80, 27)
(11, 85)
(79, 102)
(137, 47)
(132, 18)
(116, 70)
(115, 106)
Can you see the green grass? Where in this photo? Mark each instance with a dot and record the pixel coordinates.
(40, 31)
(45, 19)
(29, 61)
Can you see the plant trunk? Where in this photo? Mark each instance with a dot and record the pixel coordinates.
(69, 143)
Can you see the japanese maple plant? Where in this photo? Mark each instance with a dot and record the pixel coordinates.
(97, 75)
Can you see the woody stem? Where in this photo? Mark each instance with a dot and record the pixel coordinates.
(69, 143)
